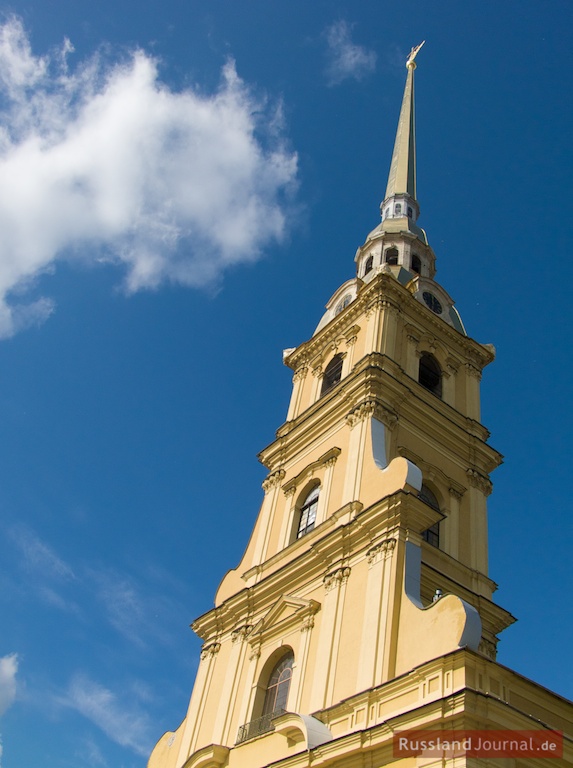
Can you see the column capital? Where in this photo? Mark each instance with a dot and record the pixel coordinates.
(273, 479)
(336, 578)
(210, 650)
(480, 481)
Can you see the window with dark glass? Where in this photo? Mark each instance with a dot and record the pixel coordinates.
(431, 534)
(278, 686)
(307, 515)
(391, 256)
(430, 374)
(332, 374)
(271, 698)
(416, 264)
(410, 212)
(369, 264)
(343, 303)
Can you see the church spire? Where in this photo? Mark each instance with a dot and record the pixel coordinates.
(400, 200)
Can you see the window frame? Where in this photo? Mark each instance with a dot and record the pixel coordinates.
(391, 253)
(276, 693)
(430, 370)
(332, 374)
(432, 534)
(307, 512)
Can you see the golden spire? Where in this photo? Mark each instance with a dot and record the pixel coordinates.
(402, 176)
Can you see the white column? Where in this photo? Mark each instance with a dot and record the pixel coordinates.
(412, 363)
(480, 488)
(245, 711)
(387, 609)
(298, 384)
(271, 486)
(452, 524)
(230, 685)
(330, 625)
(373, 327)
(449, 389)
(324, 497)
(388, 329)
(288, 518)
(301, 660)
(473, 378)
(316, 384)
(194, 717)
(358, 422)
(349, 360)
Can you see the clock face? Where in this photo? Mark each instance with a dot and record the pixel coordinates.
(432, 302)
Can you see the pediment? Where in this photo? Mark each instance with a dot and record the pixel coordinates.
(287, 613)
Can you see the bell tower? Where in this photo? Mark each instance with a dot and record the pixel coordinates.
(362, 603)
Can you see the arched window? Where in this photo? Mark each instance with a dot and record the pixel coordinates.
(391, 256)
(307, 512)
(430, 374)
(398, 209)
(272, 695)
(276, 694)
(410, 212)
(369, 264)
(332, 374)
(432, 534)
(416, 264)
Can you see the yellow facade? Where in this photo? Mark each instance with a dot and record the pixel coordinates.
(367, 569)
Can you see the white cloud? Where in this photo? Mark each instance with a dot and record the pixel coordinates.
(104, 162)
(124, 607)
(8, 671)
(45, 573)
(345, 58)
(91, 754)
(39, 557)
(128, 726)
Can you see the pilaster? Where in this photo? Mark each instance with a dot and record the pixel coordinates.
(247, 702)
(201, 691)
(298, 384)
(375, 620)
(473, 378)
(230, 685)
(271, 487)
(329, 636)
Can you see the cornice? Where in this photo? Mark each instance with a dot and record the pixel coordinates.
(468, 703)
(494, 616)
(348, 533)
(385, 287)
(432, 472)
(326, 458)
(378, 379)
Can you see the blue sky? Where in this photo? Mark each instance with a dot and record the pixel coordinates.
(182, 188)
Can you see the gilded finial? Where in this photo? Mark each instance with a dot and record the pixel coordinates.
(410, 61)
